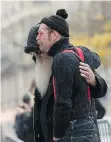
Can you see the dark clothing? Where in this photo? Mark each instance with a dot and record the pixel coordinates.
(97, 92)
(71, 98)
(100, 109)
(28, 122)
(70, 104)
(43, 115)
(29, 137)
(24, 126)
(94, 116)
(101, 86)
(83, 131)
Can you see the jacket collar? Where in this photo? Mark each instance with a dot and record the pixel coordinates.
(59, 46)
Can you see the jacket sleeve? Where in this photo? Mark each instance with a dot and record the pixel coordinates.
(91, 58)
(100, 109)
(100, 89)
(63, 70)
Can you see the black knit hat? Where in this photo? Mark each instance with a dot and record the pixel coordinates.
(58, 22)
(31, 41)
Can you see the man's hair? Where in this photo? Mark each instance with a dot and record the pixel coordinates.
(26, 98)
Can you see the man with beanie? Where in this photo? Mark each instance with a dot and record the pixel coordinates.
(91, 58)
(71, 117)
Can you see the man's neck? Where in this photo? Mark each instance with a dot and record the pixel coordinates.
(58, 46)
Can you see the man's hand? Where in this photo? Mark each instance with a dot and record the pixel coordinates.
(87, 73)
(56, 139)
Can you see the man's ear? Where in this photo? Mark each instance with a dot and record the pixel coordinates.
(55, 34)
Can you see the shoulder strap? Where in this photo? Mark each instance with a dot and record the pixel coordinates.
(80, 53)
(54, 89)
(72, 51)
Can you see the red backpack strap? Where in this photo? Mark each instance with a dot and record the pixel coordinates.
(81, 55)
(69, 51)
(54, 89)
(89, 93)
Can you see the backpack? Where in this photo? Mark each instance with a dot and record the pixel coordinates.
(80, 55)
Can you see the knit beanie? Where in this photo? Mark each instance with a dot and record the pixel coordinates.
(57, 22)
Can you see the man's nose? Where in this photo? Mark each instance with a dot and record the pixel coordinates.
(38, 36)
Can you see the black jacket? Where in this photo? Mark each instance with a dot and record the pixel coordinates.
(68, 104)
(100, 109)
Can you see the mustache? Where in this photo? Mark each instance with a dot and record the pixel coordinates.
(38, 42)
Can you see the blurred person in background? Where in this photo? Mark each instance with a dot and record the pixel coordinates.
(44, 104)
(24, 117)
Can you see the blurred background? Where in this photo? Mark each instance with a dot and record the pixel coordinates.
(90, 26)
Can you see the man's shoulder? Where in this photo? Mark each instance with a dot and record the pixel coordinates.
(66, 58)
(66, 54)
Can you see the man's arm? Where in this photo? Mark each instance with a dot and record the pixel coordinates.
(63, 71)
(98, 85)
(100, 89)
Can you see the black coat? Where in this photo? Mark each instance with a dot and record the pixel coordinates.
(43, 116)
